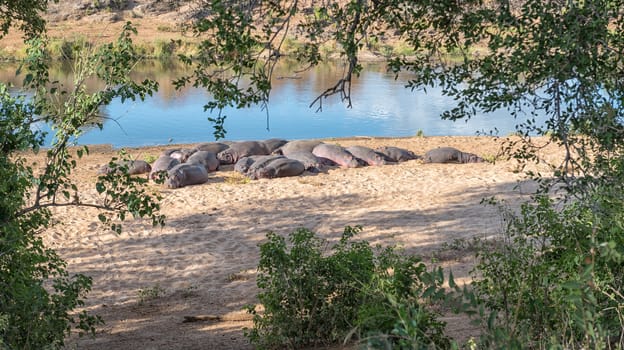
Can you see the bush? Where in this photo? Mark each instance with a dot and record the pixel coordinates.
(314, 295)
(556, 278)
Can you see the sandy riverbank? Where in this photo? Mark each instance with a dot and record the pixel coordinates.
(203, 261)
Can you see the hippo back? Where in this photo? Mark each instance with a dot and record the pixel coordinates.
(443, 155)
(273, 144)
(309, 160)
(297, 146)
(368, 155)
(336, 154)
(185, 175)
(214, 147)
(282, 167)
(259, 163)
(242, 149)
(396, 154)
(207, 159)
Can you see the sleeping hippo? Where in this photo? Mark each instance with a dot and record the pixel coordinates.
(243, 164)
(282, 167)
(310, 161)
(396, 154)
(181, 154)
(273, 144)
(336, 154)
(241, 149)
(186, 174)
(450, 155)
(368, 155)
(134, 167)
(297, 146)
(162, 165)
(260, 162)
(214, 147)
(207, 159)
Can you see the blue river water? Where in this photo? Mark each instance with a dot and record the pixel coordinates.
(382, 106)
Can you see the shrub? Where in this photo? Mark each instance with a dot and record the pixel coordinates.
(314, 295)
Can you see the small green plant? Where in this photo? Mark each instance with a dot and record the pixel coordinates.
(150, 293)
(420, 133)
(150, 158)
(490, 158)
(315, 293)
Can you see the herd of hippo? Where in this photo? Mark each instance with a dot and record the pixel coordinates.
(277, 158)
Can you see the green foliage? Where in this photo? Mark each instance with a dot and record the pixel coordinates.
(150, 293)
(38, 296)
(555, 278)
(313, 294)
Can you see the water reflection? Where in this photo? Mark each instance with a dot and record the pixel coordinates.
(382, 106)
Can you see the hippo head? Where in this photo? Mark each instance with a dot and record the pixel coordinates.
(174, 180)
(354, 162)
(265, 173)
(473, 158)
(225, 157)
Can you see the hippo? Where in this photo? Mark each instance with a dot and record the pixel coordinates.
(162, 165)
(273, 144)
(207, 159)
(214, 147)
(282, 167)
(450, 155)
(368, 155)
(260, 162)
(244, 163)
(241, 149)
(181, 154)
(396, 154)
(186, 174)
(310, 161)
(135, 167)
(297, 146)
(336, 154)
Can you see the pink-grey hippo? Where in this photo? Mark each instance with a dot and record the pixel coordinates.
(336, 154)
(297, 146)
(368, 155)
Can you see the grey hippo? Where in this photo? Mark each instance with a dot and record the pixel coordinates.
(207, 159)
(162, 165)
(282, 167)
(273, 144)
(242, 149)
(337, 154)
(368, 155)
(214, 147)
(186, 174)
(310, 161)
(243, 164)
(396, 154)
(259, 163)
(134, 167)
(297, 146)
(450, 155)
(181, 154)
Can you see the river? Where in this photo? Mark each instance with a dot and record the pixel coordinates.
(382, 106)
